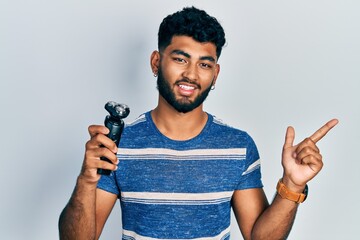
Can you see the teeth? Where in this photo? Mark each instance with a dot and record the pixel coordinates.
(186, 87)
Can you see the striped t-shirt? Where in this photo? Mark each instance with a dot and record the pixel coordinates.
(172, 189)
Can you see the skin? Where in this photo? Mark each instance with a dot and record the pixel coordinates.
(89, 207)
(184, 58)
(301, 163)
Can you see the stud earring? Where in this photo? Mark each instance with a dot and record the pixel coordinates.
(212, 87)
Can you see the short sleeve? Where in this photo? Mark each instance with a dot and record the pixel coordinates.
(108, 183)
(251, 176)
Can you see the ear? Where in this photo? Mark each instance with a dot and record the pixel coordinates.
(155, 62)
(216, 74)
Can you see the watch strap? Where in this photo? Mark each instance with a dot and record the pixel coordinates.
(285, 193)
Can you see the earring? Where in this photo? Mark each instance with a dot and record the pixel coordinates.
(155, 74)
(212, 87)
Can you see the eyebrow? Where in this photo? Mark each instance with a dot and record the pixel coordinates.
(185, 54)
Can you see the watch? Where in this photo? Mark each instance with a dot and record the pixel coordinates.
(285, 193)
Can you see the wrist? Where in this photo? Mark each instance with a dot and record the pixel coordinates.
(292, 186)
(86, 182)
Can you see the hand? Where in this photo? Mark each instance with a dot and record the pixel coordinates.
(98, 146)
(303, 161)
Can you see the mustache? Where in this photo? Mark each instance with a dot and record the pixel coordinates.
(185, 80)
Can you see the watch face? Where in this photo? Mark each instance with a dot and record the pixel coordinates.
(306, 191)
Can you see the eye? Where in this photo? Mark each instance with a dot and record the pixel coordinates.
(205, 65)
(179, 60)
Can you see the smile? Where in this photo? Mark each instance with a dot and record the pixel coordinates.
(186, 87)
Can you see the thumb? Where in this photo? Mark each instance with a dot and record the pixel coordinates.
(289, 137)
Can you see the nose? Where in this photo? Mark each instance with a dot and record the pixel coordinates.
(191, 72)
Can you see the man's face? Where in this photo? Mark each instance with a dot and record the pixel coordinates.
(186, 72)
(182, 105)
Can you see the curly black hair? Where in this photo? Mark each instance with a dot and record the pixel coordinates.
(194, 23)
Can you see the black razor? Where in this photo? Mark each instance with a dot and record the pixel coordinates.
(114, 122)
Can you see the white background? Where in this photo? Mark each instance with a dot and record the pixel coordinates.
(286, 63)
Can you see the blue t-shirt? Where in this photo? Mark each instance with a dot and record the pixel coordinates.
(172, 189)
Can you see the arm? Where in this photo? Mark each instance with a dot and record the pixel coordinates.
(84, 216)
(248, 205)
(301, 163)
(258, 220)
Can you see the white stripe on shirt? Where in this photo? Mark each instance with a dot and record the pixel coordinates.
(252, 167)
(130, 235)
(176, 198)
(170, 154)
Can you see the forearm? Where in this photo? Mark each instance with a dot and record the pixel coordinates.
(276, 221)
(301, 163)
(77, 220)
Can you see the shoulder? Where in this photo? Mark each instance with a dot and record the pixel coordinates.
(138, 132)
(222, 132)
(140, 124)
(137, 122)
(221, 127)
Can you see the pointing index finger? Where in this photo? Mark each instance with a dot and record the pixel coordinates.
(319, 134)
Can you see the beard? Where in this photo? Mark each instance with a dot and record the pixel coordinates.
(184, 104)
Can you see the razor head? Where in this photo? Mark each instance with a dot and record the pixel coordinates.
(117, 110)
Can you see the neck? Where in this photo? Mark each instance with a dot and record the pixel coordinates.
(176, 125)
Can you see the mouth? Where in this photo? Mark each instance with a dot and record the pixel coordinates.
(186, 89)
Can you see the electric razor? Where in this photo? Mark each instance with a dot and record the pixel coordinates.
(114, 122)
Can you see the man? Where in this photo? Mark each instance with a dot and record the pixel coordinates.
(179, 170)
